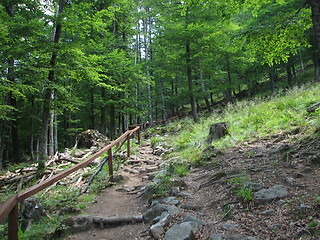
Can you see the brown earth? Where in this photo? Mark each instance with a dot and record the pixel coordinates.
(121, 200)
(281, 159)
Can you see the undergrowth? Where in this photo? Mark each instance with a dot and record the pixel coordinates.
(250, 119)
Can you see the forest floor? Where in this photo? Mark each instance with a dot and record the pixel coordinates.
(218, 193)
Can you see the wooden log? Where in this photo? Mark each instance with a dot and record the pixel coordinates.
(116, 221)
(313, 107)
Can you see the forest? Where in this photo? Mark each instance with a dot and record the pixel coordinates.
(70, 65)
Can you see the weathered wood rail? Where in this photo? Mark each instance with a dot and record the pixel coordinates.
(10, 207)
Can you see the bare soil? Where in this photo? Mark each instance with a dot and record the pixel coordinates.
(120, 200)
(281, 159)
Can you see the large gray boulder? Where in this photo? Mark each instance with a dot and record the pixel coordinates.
(275, 192)
(157, 209)
(157, 230)
(182, 231)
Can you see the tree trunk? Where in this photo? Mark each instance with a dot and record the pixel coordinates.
(49, 92)
(301, 61)
(163, 107)
(51, 137)
(112, 128)
(176, 93)
(204, 92)
(14, 130)
(190, 84)
(229, 82)
(2, 142)
(55, 134)
(103, 119)
(273, 77)
(316, 65)
(315, 9)
(289, 73)
(91, 116)
(13, 102)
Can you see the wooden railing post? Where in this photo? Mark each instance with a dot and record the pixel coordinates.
(110, 165)
(13, 223)
(138, 133)
(128, 146)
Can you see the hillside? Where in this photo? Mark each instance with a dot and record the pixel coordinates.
(261, 180)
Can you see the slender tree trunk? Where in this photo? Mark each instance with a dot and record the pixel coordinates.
(103, 119)
(316, 65)
(315, 9)
(32, 130)
(189, 72)
(176, 93)
(229, 82)
(13, 102)
(2, 142)
(48, 96)
(55, 134)
(289, 73)
(163, 107)
(91, 117)
(273, 78)
(301, 61)
(190, 83)
(51, 134)
(14, 131)
(112, 128)
(203, 88)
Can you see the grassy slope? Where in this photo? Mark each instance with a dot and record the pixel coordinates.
(251, 119)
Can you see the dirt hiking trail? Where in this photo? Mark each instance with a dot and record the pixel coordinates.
(122, 200)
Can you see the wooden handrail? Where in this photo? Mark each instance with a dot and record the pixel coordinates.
(10, 205)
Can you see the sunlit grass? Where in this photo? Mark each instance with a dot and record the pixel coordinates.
(251, 119)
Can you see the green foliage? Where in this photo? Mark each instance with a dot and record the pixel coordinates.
(313, 224)
(155, 141)
(162, 185)
(242, 191)
(181, 169)
(43, 229)
(317, 198)
(58, 197)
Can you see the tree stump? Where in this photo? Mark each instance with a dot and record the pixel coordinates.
(217, 131)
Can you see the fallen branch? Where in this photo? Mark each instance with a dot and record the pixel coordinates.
(105, 160)
(313, 108)
(115, 221)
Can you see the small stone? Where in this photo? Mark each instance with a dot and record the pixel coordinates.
(254, 186)
(189, 207)
(190, 218)
(268, 212)
(124, 189)
(258, 155)
(289, 180)
(219, 236)
(303, 206)
(275, 192)
(151, 169)
(183, 194)
(133, 171)
(230, 226)
(315, 160)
